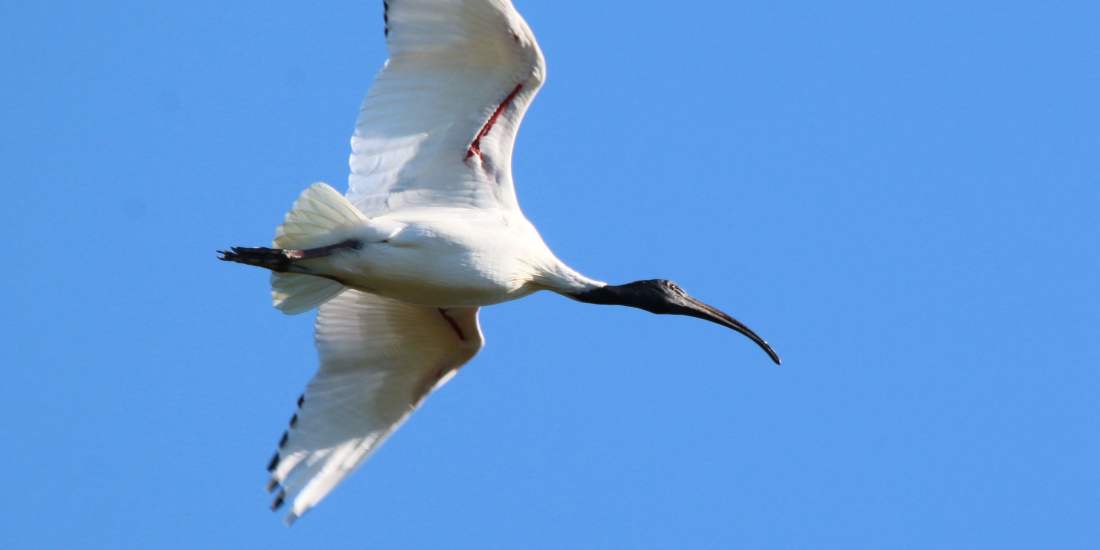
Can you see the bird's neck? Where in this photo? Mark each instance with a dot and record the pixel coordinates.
(560, 278)
(608, 295)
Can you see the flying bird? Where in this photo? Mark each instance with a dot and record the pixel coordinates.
(428, 233)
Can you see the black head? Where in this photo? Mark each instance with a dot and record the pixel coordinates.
(667, 298)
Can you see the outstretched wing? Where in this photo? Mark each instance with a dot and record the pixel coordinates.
(438, 126)
(379, 359)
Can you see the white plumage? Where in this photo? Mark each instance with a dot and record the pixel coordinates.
(426, 174)
(429, 232)
(452, 65)
(379, 358)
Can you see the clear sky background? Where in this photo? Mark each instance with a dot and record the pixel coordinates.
(902, 199)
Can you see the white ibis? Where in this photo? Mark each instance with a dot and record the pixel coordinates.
(429, 232)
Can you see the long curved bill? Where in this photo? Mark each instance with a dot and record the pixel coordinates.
(699, 310)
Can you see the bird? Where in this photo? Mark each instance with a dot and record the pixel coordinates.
(429, 232)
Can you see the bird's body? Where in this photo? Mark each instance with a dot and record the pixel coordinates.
(448, 257)
(429, 232)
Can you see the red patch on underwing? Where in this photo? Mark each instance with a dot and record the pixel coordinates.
(475, 146)
(454, 325)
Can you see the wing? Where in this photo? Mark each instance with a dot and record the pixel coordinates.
(438, 126)
(379, 359)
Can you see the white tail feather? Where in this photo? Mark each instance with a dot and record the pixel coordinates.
(293, 293)
(319, 212)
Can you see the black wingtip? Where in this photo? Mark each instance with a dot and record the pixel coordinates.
(278, 502)
(386, 19)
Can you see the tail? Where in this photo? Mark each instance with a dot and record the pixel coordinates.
(312, 223)
(319, 211)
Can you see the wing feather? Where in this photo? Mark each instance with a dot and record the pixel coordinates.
(379, 359)
(438, 126)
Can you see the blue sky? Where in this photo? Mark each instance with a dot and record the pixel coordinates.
(901, 199)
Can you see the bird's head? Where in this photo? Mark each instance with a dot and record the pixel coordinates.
(665, 297)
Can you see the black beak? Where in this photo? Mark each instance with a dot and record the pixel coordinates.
(694, 308)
